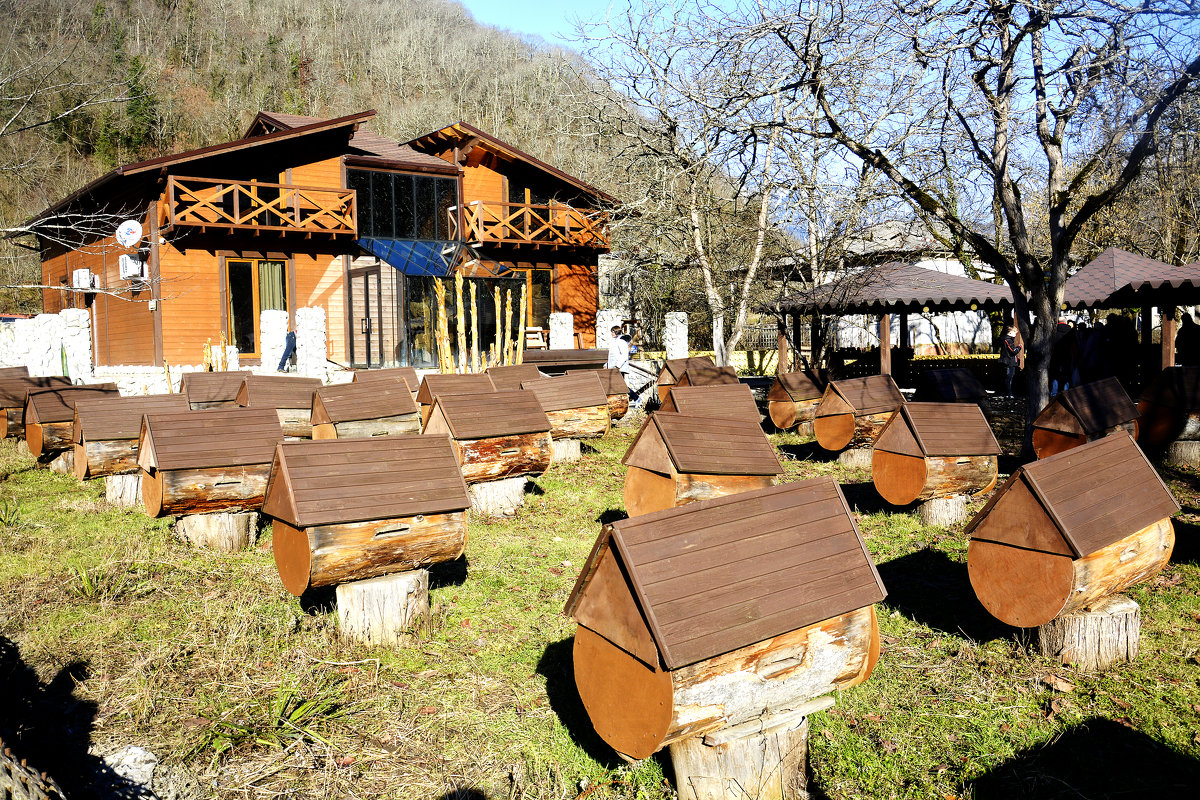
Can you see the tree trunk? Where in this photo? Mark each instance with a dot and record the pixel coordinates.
(943, 511)
(105, 457)
(124, 491)
(579, 423)
(63, 461)
(566, 450)
(856, 458)
(382, 610)
(223, 531)
(499, 457)
(771, 765)
(499, 498)
(199, 491)
(1095, 638)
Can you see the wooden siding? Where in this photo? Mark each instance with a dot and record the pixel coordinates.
(484, 183)
(326, 173)
(191, 308)
(320, 282)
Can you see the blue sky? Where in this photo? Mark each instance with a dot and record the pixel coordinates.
(552, 21)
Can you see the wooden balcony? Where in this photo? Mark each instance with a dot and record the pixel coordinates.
(554, 225)
(279, 208)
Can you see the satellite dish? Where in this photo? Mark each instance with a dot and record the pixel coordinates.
(129, 233)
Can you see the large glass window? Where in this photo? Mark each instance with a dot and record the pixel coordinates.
(421, 315)
(394, 205)
(252, 286)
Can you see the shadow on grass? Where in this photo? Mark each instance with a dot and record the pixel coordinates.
(448, 573)
(612, 515)
(864, 498)
(464, 793)
(808, 451)
(319, 600)
(1097, 759)
(533, 489)
(50, 729)
(935, 591)
(1187, 542)
(558, 668)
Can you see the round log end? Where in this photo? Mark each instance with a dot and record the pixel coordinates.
(152, 493)
(81, 461)
(1047, 443)
(782, 413)
(293, 558)
(629, 703)
(324, 430)
(1023, 588)
(834, 432)
(33, 438)
(899, 479)
(647, 491)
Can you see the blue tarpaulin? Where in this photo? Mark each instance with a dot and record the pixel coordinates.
(412, 257)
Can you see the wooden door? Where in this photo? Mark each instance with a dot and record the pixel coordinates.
(366, 319)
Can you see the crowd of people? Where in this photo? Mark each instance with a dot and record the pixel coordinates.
(1083, 353)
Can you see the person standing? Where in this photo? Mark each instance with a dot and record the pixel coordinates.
(618, 350)
(1010, 352)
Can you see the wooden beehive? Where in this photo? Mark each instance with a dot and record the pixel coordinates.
(1064, 532)
(291, 397)
(212, 389)
(106, 429)
(512, 376)
(616, 391)
(352, 509)
(704, 617)
(853, 412)
(49, 416)
(435, 384)
(701, 374)
(406, 374)
(793, 399)
(949, 385)
(731, 401)
(1081, 414)
(677, 459)
(930, 450)
(13, 391)
(495, 435)
(21, 371)
(369, 408)
(674, 369)
(1170, 409)
(574, 403)
(197, 462)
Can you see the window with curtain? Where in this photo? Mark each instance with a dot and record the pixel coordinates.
(252, 286)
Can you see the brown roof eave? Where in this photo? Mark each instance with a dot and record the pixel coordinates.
(387, 163)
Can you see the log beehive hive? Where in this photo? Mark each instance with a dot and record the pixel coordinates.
(13, 390)
(1170, 409)
(49, 416)
(1081, 414)
(732, 401)
(291, 397)
(793, 399)
(364, 409)
(931, 450)
(106, 429)
(575, 404)
(852, 412)
(212, 389)
(435, 384)
(673, 370)
(495, 435)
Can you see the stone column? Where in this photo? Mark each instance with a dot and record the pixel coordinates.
(232, 361)
(675, 334)
(77, 341)
(562, 331)
(312, 353)
(606, 318)
(272, 331)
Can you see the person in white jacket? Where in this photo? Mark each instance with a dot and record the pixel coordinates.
(618, 350)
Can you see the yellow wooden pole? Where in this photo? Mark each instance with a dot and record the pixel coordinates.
(474, 332)
(521, 330)
(499, 343)
(508, 353)
(443, 334)
(462, 322)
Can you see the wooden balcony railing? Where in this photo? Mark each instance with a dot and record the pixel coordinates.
(261, 207)
(554, 225)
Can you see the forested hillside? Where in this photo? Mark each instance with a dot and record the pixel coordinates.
(194, 72)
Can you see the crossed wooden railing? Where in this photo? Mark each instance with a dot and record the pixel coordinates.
(250, 205)
(518, 223)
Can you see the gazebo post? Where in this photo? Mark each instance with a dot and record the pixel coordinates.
(1168, 335)
(816, 344)
(782, 363)
(885, 344)
(904, 343)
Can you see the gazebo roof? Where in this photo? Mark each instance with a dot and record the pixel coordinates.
(898, 287)
(1119, 279)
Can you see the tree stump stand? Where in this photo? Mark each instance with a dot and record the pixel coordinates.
(23, 448)
(764, 765)
(566, 450)
(943, 511)
(1101, 635)
(64, 463)
(225, 531)
(805, 429)
(499, 498)
(382, 610)
(856, 458)
(124, 491)
(1182, 453)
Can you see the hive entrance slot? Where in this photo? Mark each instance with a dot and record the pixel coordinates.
(392, 531)
(512, 451)
(233, 482)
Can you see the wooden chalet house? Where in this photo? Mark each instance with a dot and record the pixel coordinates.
(303, 211)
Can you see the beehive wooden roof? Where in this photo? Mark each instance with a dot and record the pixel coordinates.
(731, 401)
(13, 389)
(938, 430)
(406, 374)
(14, 372)
(702, 445)
(485, 416)
(708, 375)
(355, 480)
(57, 404)
(716, 575)
(1175, 387)
(347, 402)
(1090, 409)
(566, 359)
(796, 386)
(675, 367)
(874, 394)
(112, 417)
(613, 381)
(950, 385)
(436, 384)
(573, 390)
(218, 437)
(212, 387)
(277, 391)
(1094, 494)
(511, 376)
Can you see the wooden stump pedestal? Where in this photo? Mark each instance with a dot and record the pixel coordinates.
(23, 448)
(943, 511)
(124, 491)
(382, 610)
(1182, 453)
(566, 450)
(499, 498)
(222, 530)
(1095, 638)
(764, 760)
(856, 457)
(63, 462)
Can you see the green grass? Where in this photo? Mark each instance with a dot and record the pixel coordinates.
(115, 634)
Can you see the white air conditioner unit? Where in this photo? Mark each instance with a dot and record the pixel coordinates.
(83, 279)
(132, 268)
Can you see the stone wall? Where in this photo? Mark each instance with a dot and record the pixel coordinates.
(562, 331)
(312, 355)
(675, 334)
(42, 343)
(606, 319)
(272, 337)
